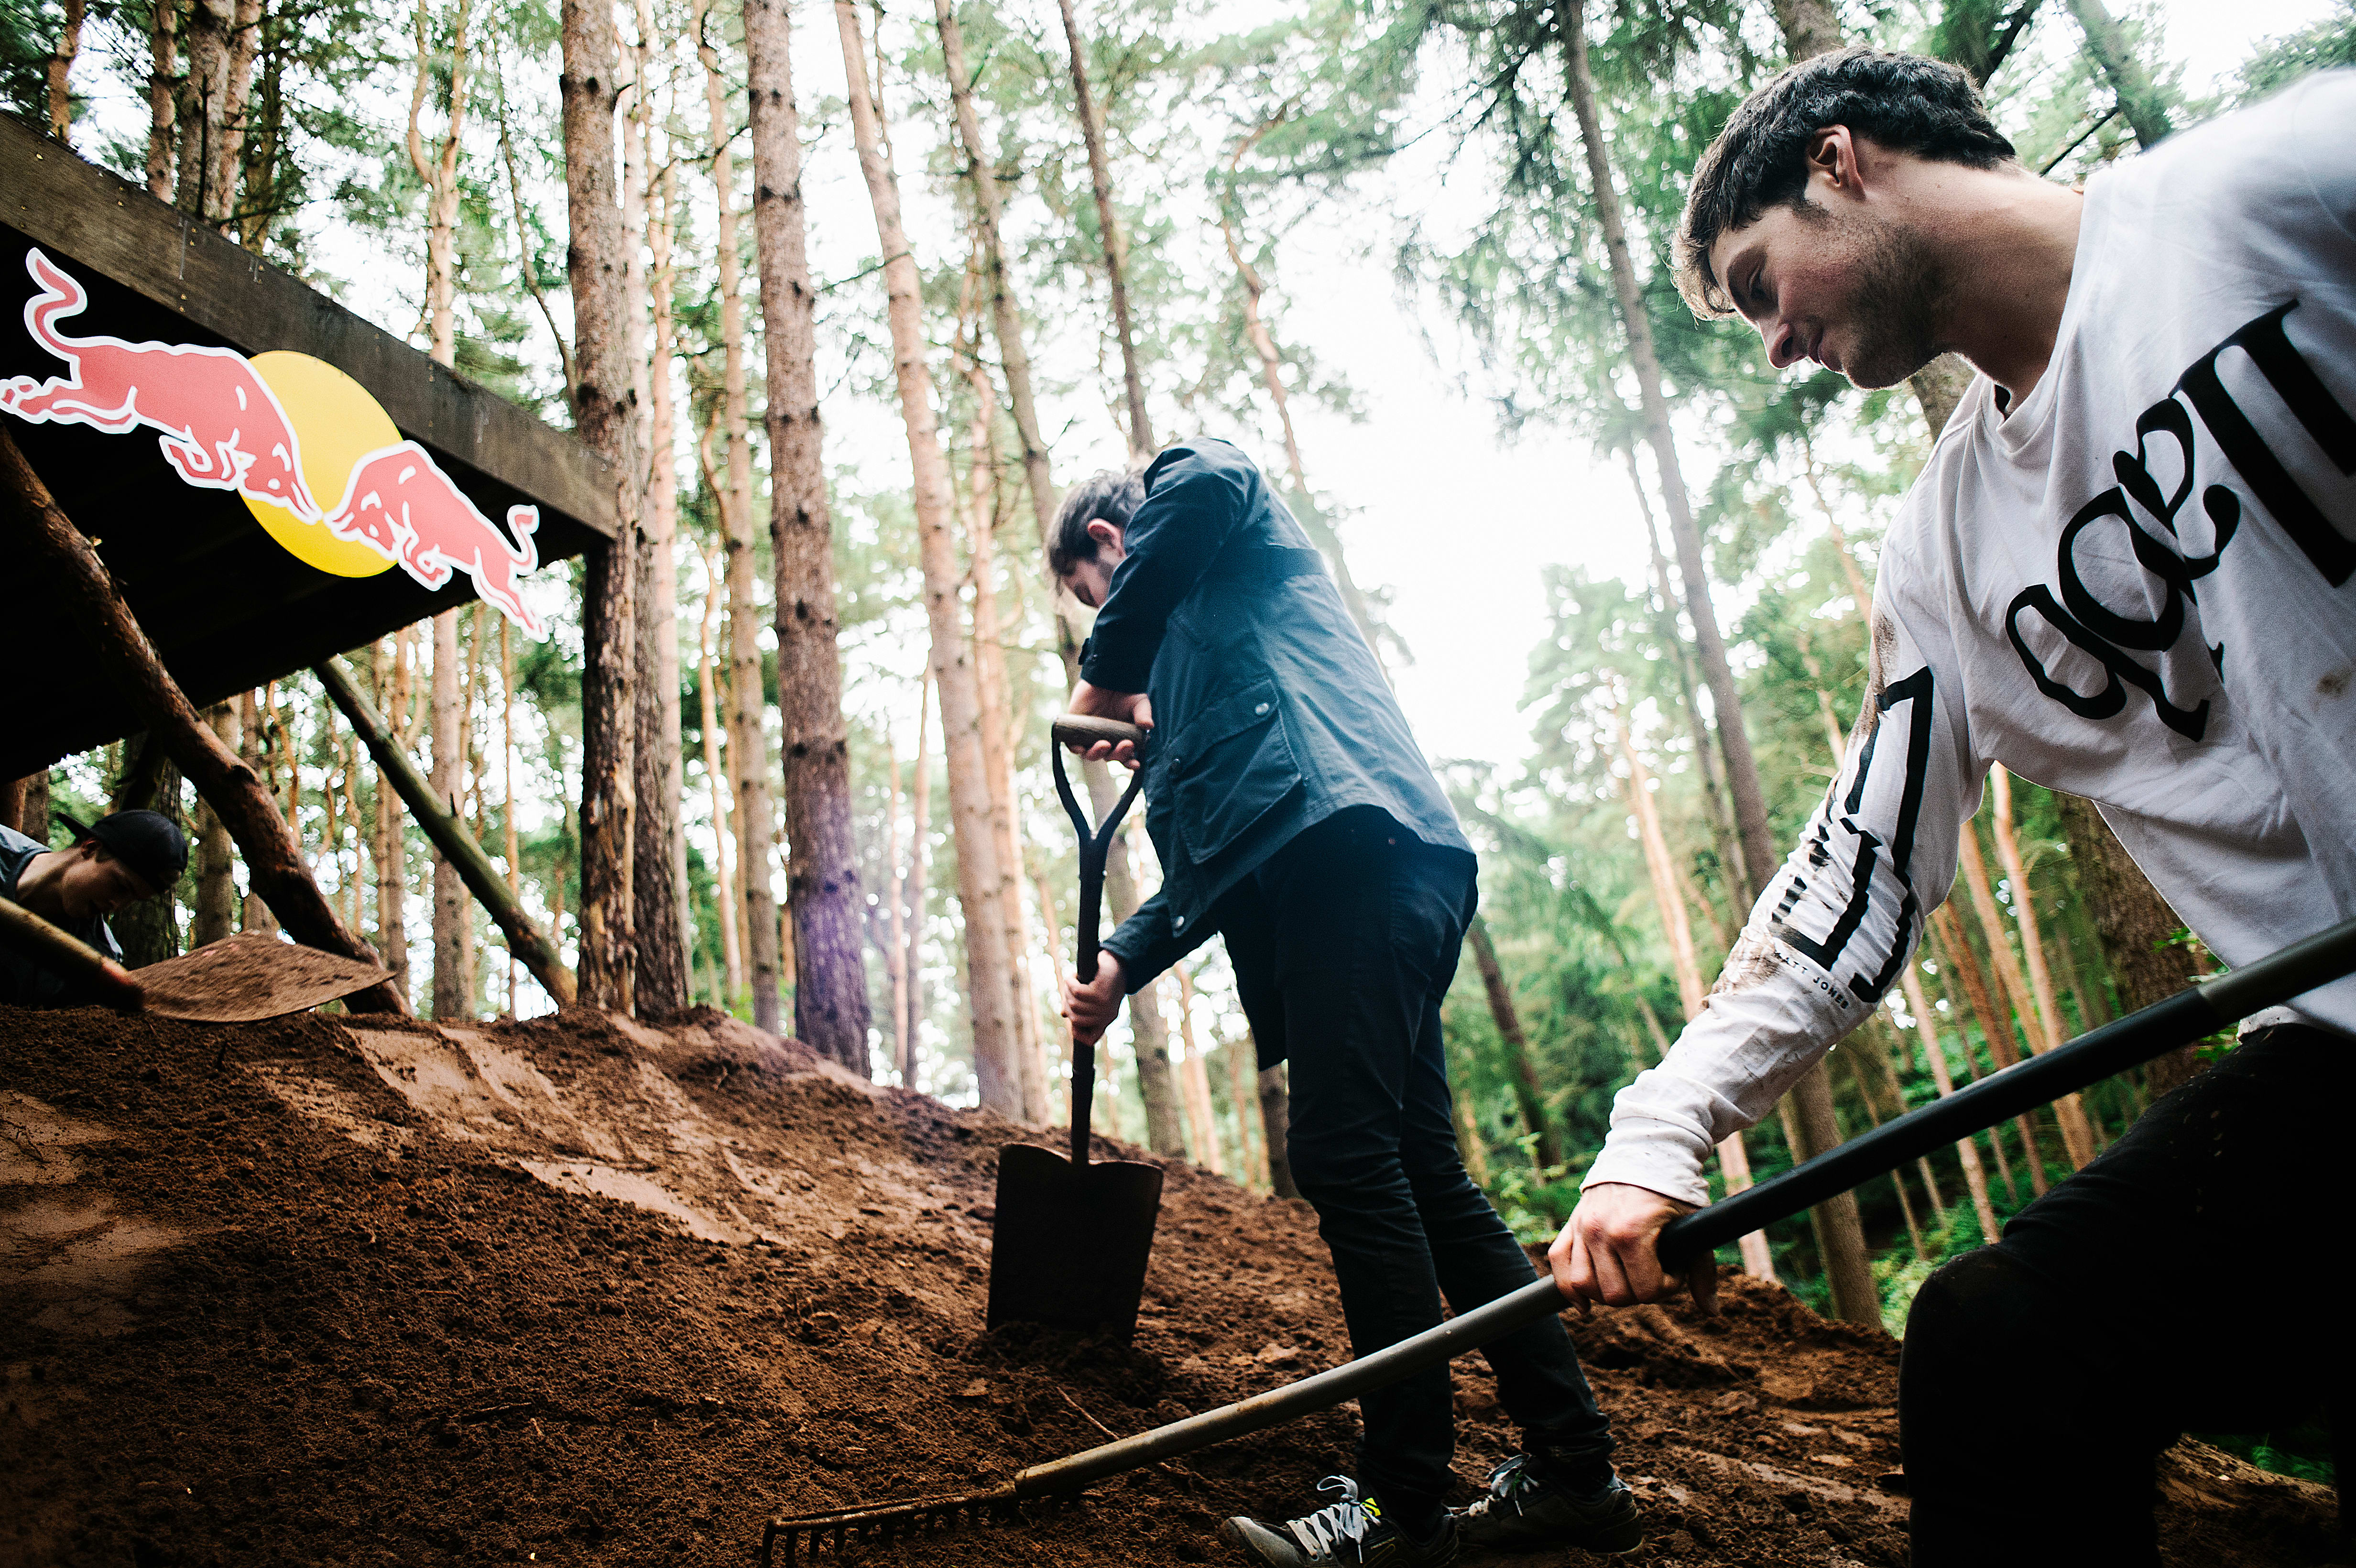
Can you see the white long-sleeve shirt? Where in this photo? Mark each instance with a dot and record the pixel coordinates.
(2138, 586)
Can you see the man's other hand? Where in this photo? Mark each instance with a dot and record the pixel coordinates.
(1093, 1007)
(1610, 1253)
(1129, 706)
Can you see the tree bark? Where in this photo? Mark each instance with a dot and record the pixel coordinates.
(659, 851)
(602, 416)
(452, 939)
(997, 742)
(162, 105)
(2015, 989)
(1142, 444)
(1197, 1078)
(215, 916)
(1995, 1026)
(1810, 28)
(393, 677)
(997, 1068)
(2077, 1128)
(723, 871)
(1734, 1159)
(1275, 1120)
(895, 927)
(1251, 1141)
(273, 860)
(1517, 1045)
(1974, 1176)
(1470, 1148)
(748, 742)
(830, 974)
(203, 103)
(61, 70)
(2135, 927)
(2145, 111)
(920, 849)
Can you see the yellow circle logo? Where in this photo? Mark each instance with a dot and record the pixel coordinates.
(337, 424)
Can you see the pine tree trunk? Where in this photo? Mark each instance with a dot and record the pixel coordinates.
(1974, 1176)
(2077, 1128)
(1996, 1026)
(1848, 1267)
(753, 902)
(61, 70)
(2133, 925)
(989, 964)
(2012, 987)
(1142, 444)
(829, 971)
(602, 416)
(228, 152)
(1196, 1077)
(895, 923)
(163, 107)
(659, 864)
(997, 744)
(1251, 1139)
(1734, 1159)
(216, 913)
(723, 875)
(1470, 1148)
(1517, 1045)
(2130, 84)
(254, 755)
(450, 935)
(1276, 1122)
(920, 848)
(393, 697)
(203, 103)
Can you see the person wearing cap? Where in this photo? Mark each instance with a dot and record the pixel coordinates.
(115, 862)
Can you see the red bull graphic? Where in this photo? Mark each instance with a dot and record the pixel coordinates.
(399, 503)
(223, 427)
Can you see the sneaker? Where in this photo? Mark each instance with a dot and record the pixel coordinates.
(1353, 1530)
(1526, 1508)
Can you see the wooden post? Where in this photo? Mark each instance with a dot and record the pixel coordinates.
(456, 845)
(274, 861)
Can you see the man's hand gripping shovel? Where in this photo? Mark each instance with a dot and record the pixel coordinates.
(1072, 1237)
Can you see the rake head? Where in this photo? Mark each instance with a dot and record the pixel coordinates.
(881, 1523)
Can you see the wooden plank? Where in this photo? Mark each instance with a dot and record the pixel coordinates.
(85, 214)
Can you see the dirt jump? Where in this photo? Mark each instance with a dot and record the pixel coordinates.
(583, 1291)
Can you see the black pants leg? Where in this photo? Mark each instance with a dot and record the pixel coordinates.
(1349, 945)
(2160, 1290)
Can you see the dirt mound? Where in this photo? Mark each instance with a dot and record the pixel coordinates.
(581, 1291)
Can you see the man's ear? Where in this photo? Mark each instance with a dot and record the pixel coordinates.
(1105, 533)
(1833, 164)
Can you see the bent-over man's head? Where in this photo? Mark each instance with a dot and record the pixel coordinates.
(1812, 215)
(117, 862)
(1091, 532)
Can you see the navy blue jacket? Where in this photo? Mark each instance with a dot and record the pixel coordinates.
(1270, 713)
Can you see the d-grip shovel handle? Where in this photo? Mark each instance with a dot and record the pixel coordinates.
(1095, 845)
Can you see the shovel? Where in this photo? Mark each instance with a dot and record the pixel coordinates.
(239, 980)
(1070, 1241)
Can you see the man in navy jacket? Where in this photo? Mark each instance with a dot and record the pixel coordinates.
(1295, 815)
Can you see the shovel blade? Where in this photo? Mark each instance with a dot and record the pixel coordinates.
(249, 976)
(1069, 1245)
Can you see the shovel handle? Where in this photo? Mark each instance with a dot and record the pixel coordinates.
(64, 952)
(1081, 731)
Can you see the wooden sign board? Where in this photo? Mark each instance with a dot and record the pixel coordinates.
(331, 484)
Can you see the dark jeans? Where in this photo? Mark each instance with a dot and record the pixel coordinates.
(1343, 944)
(2169, 1286)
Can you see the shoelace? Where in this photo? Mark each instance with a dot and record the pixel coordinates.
(1321, 1533)
(1508, 1481)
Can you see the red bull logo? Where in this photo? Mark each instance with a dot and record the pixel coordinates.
(223, 425)
(399, 503)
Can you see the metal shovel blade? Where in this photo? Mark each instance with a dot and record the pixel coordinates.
(249, 976)
(1070, 1243)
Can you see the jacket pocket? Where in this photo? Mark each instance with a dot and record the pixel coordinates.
(1230, 768)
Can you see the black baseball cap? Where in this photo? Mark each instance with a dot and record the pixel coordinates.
(149, 842)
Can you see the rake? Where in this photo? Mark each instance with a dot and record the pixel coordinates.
(2165, 1026)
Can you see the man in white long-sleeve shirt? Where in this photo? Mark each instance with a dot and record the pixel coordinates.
(2126, 573)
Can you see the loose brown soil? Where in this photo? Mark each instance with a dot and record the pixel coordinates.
(581, 1292)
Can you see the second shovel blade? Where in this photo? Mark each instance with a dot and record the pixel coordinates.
(1069, 1245)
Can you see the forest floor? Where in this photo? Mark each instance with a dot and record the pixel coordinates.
(576, 1291)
